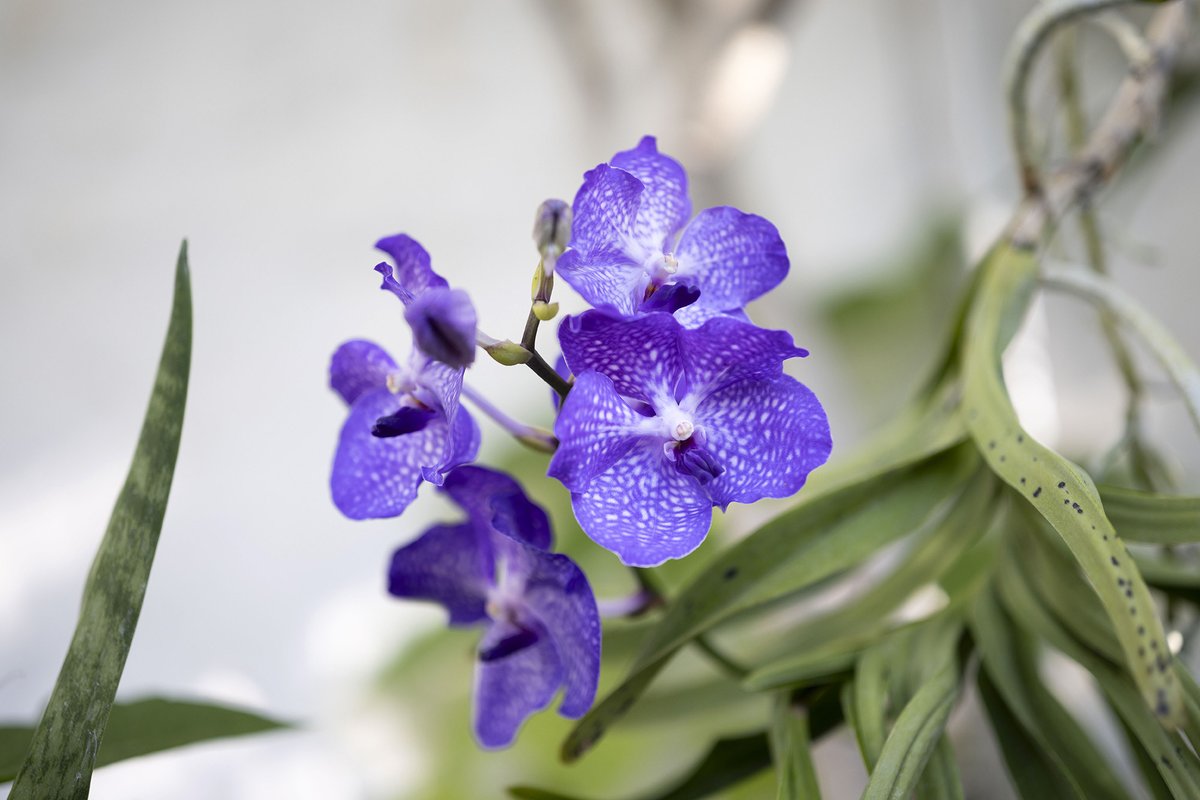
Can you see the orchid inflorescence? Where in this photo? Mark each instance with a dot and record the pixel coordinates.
(670, 402)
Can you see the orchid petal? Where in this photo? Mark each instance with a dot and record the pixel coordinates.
(448, 564)
(733, 257)
(664, 206)
(643, 509)
(359, 366)
(510, 689)
(769, 435)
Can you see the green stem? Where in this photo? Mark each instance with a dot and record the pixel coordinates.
(547, 373)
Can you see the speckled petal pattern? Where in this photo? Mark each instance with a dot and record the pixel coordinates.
(643, 509)
(767, 434)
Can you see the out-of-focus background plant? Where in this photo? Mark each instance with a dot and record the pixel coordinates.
(283, 140)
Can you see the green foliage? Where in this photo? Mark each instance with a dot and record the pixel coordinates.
(66, 743)
(790, 750)
(146, 726)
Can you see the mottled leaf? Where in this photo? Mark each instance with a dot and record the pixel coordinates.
(1059, 490)
(68, 739)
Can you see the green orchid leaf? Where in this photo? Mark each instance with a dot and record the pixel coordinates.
(69, 737)
(1010, 669)
(1059, 490)
(1034, 771)
(790, 748)
(941, 780)
(913, 739)
(824, 535)
(1174, 760)
(848, 629)
(870, 702)
(147, 726)
(1152, 518)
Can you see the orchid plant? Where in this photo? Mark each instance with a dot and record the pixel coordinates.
(1003, 557)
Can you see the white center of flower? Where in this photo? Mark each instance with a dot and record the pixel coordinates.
(677, 422)
(660, 267)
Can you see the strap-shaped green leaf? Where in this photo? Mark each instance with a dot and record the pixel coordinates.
(790, 749)
(914, 737)
(822, 536)
(147, 726)
(1011, 672)
(1059, 490)
(941, 779)
(871, 703)
(1176, 763)
(1153, 518)
(1034, 771)
(1065, 594)
(69, 736)
(855, 624)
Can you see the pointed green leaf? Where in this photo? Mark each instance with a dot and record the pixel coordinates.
(790, 748)
(914, 737)
(67, 740)
(1010, 661)
(1059, 490)
(871, 703)
(941, 779)
(147, 726)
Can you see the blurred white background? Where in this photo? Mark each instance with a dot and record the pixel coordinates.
(282, 139)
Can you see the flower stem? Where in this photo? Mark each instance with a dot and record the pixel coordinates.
(528, 435)
(547, 373)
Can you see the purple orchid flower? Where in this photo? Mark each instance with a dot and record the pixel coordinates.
(543, 629)
(664, 423)
(405, 423)
(442, 319)
(631, 243)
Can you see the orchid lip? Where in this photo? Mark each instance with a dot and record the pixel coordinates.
(406, 419)
(513, 643)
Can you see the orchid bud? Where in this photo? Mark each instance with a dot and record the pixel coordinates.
(552, 229)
